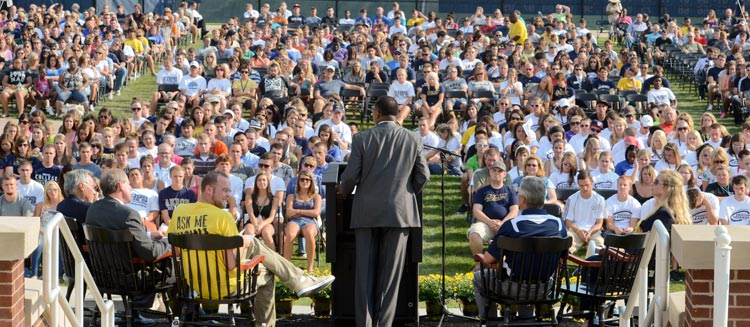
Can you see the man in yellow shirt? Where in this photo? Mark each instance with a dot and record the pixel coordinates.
(517, 31)
(207, 217)
(629, 82)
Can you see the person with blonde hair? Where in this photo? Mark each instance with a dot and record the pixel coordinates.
(432, 96)
(52, 197)
(671, 204)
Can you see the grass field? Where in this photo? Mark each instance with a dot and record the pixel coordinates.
(458, 257)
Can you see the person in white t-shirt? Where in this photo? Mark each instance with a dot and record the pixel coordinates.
(735, 209)
(429, 138)
(168, 75)
(343, 133)
(403, 91)
(604, 177)
(584, 214)
(704, 207)
(143, 200)
(28, 188)
(623, 210)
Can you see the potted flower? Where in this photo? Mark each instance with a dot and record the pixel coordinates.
(322, 299)
(462, 287)
(430, 291)
(285, 297)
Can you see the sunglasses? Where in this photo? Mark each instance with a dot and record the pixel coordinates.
(574, 123)
(719, 161)
(682, 128)
(245, 72)
(309, 165)
(136, 109)
(597, 131)
(304, 180)
(657, 182)
(260, 165)
(25, 122)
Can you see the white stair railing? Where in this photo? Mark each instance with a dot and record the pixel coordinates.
(54, 300)
(722, 251)
(656, 311)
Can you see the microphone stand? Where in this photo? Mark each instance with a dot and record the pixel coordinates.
(443, 159)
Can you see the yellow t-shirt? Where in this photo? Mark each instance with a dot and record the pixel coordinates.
(629, 84)
(518, 29)
(136, 44)
(204, 218)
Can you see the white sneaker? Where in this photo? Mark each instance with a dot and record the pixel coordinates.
(312, 285)
(710, 107)
(110, 96)
(33, 108)
(50, 111)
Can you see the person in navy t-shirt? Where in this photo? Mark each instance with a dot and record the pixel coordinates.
(532, 222)
(494, 204)
(46, 170)
(174, 195)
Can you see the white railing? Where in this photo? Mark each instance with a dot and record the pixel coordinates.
(53, 299)
(656, 311)
(722, 251)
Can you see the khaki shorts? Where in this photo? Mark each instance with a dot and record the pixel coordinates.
(482, 229)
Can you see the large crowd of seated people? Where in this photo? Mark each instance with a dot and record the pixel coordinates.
(262, 99)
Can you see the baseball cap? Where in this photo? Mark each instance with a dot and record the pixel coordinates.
(563, 103)
(331, 68)
(338, 107)
(228, 112)
(647, 121)
(628, 111)
(597, 126)
(632, 140)
(296, 5)
(255, 124)
(602, 102)
(194, 64)
(499, 164)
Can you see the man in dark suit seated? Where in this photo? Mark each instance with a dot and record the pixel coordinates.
(112, 213)
(532, 222)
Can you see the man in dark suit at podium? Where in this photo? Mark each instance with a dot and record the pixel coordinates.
(388, 170)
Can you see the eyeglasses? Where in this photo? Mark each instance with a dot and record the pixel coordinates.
(261, 165)
(452, 71)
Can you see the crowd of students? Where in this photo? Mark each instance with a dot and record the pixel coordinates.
(261, 99)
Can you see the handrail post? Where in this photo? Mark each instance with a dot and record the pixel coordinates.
(663, 263)
(722, 253)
